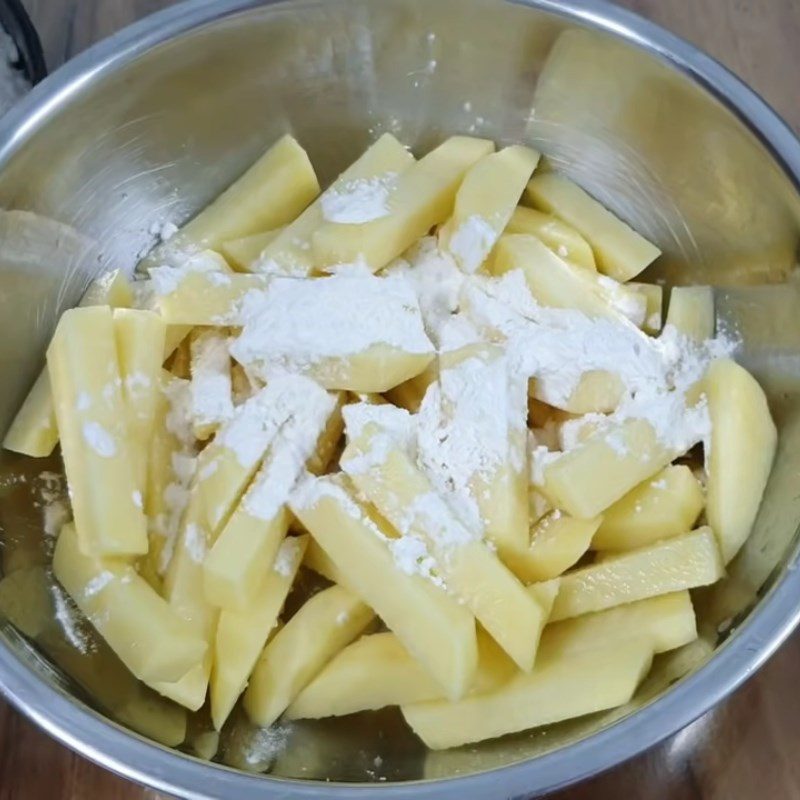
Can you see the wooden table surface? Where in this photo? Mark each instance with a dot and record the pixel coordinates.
(748, 748)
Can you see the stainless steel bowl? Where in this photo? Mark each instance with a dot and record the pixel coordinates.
(152, 123)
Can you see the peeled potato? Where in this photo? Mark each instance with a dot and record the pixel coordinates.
(665, 505)
(683, 562)
(620, 251)
(743, 442)
(691, 311)
(557, 689)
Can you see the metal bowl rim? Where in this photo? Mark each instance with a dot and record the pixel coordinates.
(87, 732)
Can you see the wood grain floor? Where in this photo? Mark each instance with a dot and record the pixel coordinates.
(746, 749)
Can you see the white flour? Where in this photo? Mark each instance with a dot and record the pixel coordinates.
(410, 552)
(211, 388)
(166, 279)
(294, 324)
(99, 439)
(358, 201)
(256, 422)
(467, 422)
(286, 557)
(556, 346)
(68, 618)
(397, 421)
(472, 242)
(288, 453)
(13, 83)
(436, 280)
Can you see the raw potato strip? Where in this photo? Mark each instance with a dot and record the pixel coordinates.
(207, 298)
(557, 689)
(403, 494)
(246, 546)
(273, 191)
(654, 296)
(170, 468)
(585, 481)
(743, 442)
(329, 440)
(241, 253)
(436, 630)
(241, 635)
(557, 542)
(377, 671)
(34, 431)
(211, 387)
(92, 420)
(409, 394)
(665, 505)
(556, 283)
(475, 419)
(139, 337)
(319, 561)
(353, 331)
(183, 588)
(620, 251)
(141, 628)
(291, 252)
(484, 204)
(325, 624)
(423, 196)
(691, 311)
(668, 621)
(561, 238)
(684, 562)
(229, 462)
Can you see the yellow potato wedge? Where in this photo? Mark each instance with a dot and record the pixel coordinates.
(324, 625)
(377, 671)
(557, 283)
(585, 481)
(139, 336)
(620, 251)
(139, 626)
(211, 390)
(557, 542)
(665, 505)
(241, 253)
(319, 561)
(666, 621)
(246, 546)
(272, 192)
(92, 420)
(654, 296)
(557, 689)
(403, 494)
(422, 196)
(560, 237)
(170, 468)
(291, 251)
(183, 588)
(743, 442)
(479, 399)
(484, 204)
(206, 298)
(34, 431)
(691, 311)
(228, 463)
(432, 626)
(683, 562)
(241, 635)
(367, 335)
